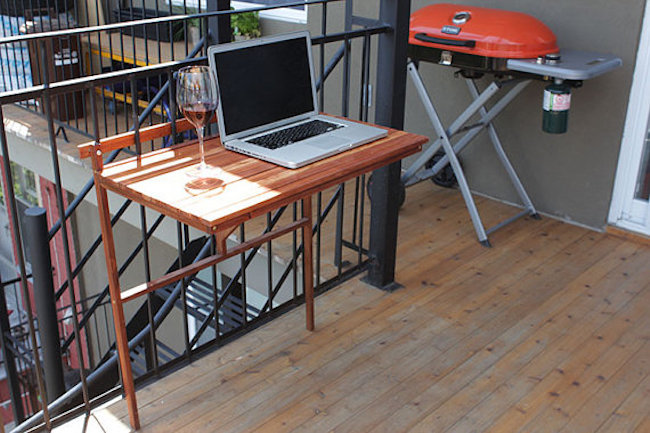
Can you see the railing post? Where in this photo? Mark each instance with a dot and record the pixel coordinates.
(37, 239)
(220, 26)
(386, 187)
(10, 360)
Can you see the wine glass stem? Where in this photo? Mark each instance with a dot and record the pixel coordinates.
(199, 133)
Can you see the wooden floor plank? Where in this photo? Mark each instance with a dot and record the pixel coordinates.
(332, 341)
(605, 403)
(644, 426)
(354, 425)
(256, 348)
(569, 308)
(212, 426)
(354, 400)
(574, 390)
(356, 369)
(628, 415)
(478, 339)
(416, 396)
(545, 390)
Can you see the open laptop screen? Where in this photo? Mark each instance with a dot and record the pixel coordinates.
(263, 84)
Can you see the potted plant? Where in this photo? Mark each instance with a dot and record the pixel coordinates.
(245, 25)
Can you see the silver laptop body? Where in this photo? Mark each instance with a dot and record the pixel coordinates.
(267, 84)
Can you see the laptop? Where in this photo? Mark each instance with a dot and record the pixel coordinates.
(267, 103)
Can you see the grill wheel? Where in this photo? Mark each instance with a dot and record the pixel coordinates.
(445, 177)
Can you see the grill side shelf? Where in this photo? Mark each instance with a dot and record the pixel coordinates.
(573, 65)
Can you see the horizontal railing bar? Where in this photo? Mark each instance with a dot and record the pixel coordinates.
(341, 36)
(156, 20)
(67, 86)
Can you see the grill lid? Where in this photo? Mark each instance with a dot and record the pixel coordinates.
(481, 31)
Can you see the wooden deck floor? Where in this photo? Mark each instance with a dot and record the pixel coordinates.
(548, 331)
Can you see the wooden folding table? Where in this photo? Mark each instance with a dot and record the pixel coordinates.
(249, 188)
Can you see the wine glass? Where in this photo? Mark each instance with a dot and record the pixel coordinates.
(196, 96)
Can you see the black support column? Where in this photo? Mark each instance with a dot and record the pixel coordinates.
(48, 329)
(220, 26)
(386, 187)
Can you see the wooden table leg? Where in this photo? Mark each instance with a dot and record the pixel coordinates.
(122, 341)
(308, 274)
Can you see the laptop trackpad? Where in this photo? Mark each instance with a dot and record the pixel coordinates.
(329, 142)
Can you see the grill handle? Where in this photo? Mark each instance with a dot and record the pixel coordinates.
(452, 42)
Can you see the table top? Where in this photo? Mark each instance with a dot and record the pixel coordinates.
(250, 187)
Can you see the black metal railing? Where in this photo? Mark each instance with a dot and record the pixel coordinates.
(122, 79)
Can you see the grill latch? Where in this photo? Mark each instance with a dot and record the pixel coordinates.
(446, 58)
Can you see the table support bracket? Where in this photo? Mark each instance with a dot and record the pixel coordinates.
(118, 298)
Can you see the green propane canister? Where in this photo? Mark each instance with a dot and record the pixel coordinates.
(557, 101)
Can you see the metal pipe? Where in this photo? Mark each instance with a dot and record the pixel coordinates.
(64, 228)
(391, 96)
(13, 215)
(40, 259)
(220, 25)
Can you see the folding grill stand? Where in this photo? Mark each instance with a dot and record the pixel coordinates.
(414, 173)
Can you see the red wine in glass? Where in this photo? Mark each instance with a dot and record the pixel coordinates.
(196, 96)
(199, 114)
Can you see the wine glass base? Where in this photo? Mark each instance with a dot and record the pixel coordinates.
(204, 177)
(203, 184)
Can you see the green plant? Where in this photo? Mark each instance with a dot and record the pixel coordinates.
(246, 24)
(242, 24)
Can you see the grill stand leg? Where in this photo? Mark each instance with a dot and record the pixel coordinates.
(453, 160)
(413, 174)
(484, 121)
(496, 142)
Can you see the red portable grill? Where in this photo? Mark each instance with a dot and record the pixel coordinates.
(514, 47)
(477, 38)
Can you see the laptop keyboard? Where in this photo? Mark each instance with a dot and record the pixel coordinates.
(294, 134)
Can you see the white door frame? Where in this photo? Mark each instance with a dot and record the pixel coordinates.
(625, 211)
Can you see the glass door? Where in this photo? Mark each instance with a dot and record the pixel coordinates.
(642, 190)
(630, 208)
